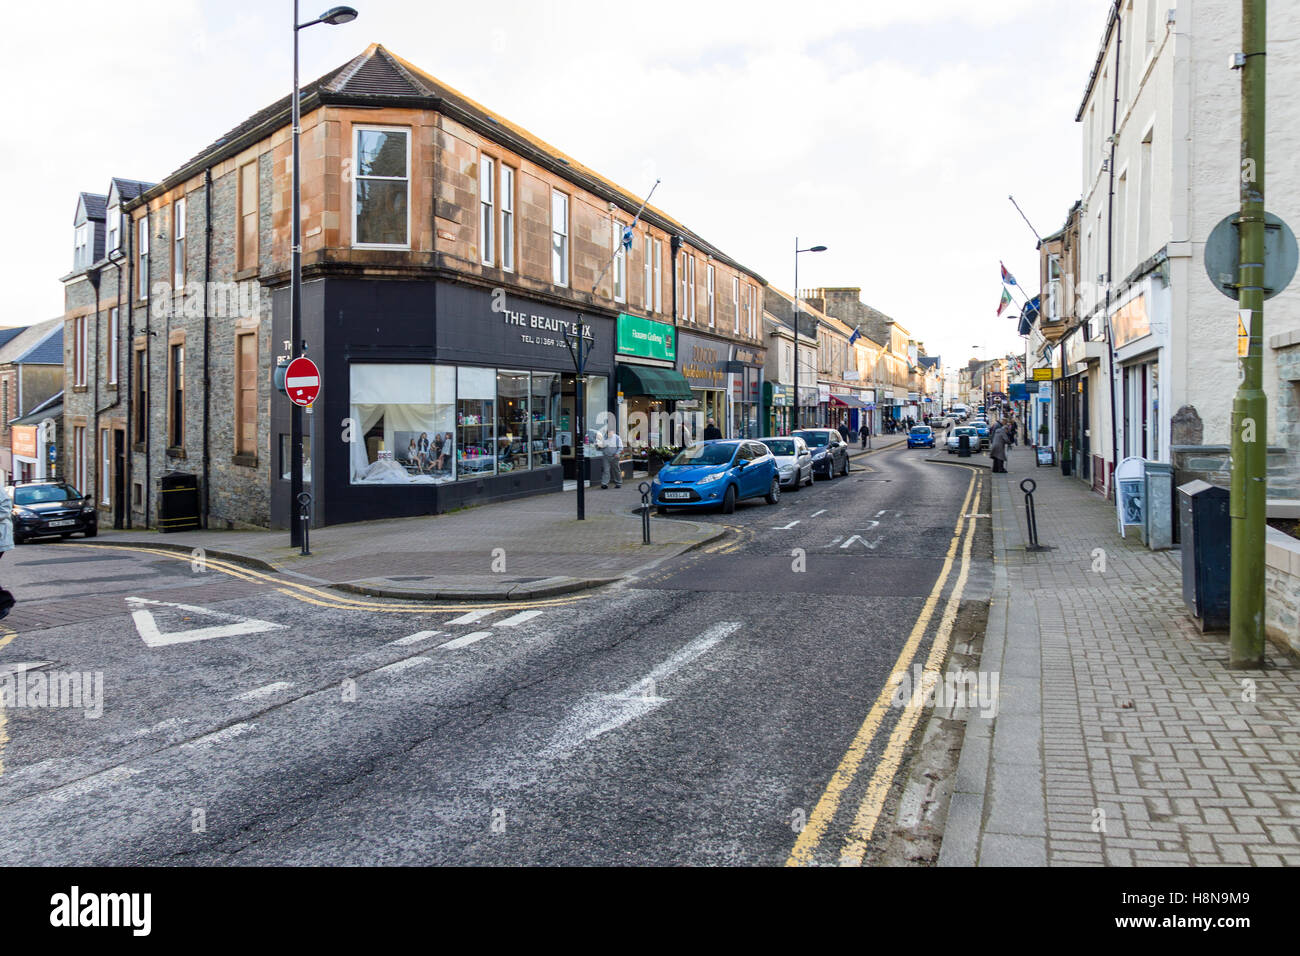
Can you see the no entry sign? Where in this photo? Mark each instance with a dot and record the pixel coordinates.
(302, 381)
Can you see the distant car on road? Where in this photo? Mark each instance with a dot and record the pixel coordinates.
(717, 474)
(49, 509)
(830, 453)
(793, 460)
(920, 436)
(953, 444)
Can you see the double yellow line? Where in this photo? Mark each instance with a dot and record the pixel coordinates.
(321, 598)
(819, 822)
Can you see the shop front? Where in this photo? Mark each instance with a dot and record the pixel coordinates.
(703, 362)
(745, 372)
(778, 401)
(1140, 324)
(650, 389)
(850, 408)
(809, 397)
(436, 395)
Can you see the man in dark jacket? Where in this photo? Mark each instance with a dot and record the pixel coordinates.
(844, 431)
(712, 432)
(864, 432)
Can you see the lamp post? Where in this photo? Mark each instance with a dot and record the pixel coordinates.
(334, 17)
(797, 253)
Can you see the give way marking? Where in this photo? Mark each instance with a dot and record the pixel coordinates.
(597, 714)
(233, 626)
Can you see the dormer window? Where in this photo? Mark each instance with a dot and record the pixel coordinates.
(113, 225)
(82, 244)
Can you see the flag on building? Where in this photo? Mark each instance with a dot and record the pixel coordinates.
(1007, 277)
(857, 334)
(1006, 300)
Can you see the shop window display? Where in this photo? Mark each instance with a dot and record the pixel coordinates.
(476, 447)
(402, 423)
(544, 409)
(513, 420)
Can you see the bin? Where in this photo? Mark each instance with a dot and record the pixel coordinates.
(963, 446)
(178, 502)
(1206, 534)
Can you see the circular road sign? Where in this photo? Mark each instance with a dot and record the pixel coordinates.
(302, 381)
(1223, 256)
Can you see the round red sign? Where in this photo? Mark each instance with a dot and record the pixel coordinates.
(302, 381)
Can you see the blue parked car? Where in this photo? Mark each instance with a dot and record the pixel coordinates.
(717, 474)
(920, 436)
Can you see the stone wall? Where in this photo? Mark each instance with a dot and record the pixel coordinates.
(1212, 463)
(1282, 589)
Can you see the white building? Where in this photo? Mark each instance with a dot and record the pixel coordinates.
(1163, 88)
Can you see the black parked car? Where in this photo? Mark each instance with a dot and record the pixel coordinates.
(830, 453)
(44, 509)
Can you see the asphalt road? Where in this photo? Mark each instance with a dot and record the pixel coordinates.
(693, 716)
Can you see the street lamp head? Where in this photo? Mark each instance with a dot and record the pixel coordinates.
(817, 249)
(337, 15)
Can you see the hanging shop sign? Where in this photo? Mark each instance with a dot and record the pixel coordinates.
(646, 338)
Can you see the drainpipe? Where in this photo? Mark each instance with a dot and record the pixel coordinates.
(130, 362)
(207, 328)
(94, 275)
(1110, 252)
(148, 371)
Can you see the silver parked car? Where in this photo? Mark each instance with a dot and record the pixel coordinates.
(953, 443)
(793, 460)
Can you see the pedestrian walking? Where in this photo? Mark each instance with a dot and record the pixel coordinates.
(611, 445)
(6, 544)
(864, 433)
(998, 449)
(712, 432)
(844, 431)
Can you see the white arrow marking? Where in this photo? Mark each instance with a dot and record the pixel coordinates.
(787, 527)
(266, 691)
(470, 617)
(148, 627)
(415, 638)
(520, 618)
(597, 714)
(22, 666)
(816, 513)
(865, 544)
(465, 641)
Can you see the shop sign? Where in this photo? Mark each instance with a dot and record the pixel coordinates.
(1131, 321)
(701, 363)
(646, 338)
(823, 394)
(1130, 502)
(781, 395)
(807, 395)
(1042, 375)
(1045, 391)
(24, 441)
(475, 326)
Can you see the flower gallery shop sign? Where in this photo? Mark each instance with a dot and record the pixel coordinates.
(646, 338)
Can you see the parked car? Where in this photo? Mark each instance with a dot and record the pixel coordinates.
(47, 509)
(982, 429)
(953, 444)
(920, 436)
(793, 460)
(830, 454)
(717, 474)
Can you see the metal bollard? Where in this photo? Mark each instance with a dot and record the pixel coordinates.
(304, 515)
(644, 488)
(1031, 518)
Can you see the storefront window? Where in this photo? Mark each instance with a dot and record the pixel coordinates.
(402, 423)
(544, 410)
(513, 399)
(476, 447)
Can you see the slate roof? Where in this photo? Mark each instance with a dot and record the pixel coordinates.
(6, 335)
(48, 352)
(34, 337)
(52, 407)
(379, 77)
(96, 205)
(128, 189)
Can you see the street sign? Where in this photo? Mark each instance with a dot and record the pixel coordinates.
(302, 381)
(1042, 375)
(1223, 256)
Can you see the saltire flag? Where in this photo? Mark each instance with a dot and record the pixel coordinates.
(857, 334)
(1006, 300)
(1007, 277)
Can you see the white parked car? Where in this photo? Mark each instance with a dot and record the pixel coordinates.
(953, 443)
(793, 460)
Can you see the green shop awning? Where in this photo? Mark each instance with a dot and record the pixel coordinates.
(666, 384)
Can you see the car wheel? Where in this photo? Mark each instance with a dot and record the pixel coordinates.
(19, 539)
(811, 480)
(729, 500)
(774, 493)
(91, 532)
(845, 469)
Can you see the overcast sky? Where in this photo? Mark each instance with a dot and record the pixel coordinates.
(890, 132)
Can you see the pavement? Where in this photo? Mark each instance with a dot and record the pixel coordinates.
(1121, 737)
(526, 549)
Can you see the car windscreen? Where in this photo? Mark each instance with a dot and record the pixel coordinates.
(784, 446)
(40, 494)
(921, 430)
(704, 455)
(815, 438)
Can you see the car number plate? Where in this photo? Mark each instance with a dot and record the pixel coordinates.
(676, 494)
(62, 524)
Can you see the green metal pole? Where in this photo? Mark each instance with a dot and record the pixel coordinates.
(1250, 407)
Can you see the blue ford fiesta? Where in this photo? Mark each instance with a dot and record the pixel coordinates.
(717, 474)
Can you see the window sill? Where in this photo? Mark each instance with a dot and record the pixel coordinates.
(176, 452)
(249, 273)
(138, 447)
(79, 389)
(247, 461)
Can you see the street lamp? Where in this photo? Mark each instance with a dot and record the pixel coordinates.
(333, 16)
(797, 253)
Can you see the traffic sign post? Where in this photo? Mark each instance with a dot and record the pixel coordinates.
(302, 382)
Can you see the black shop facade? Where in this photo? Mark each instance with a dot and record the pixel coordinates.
(436, 395)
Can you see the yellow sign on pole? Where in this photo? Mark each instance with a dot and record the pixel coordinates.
(1042, 375)
(1243, 333)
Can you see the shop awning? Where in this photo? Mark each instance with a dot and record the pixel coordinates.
(847, 401)
(666, 384)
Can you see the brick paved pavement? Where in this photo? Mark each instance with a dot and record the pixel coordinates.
(1121, 737)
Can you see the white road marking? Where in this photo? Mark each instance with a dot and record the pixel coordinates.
(787, 527)
(20, 667)
(465, 641)
(520, 618)
(415, 638)
(879, 513)
(816, 513)
(147, 626)
(82, 787)
(221, 736)
(597, 714)
(267, 691)
(866, 544)
(403, 665)
(470, 617)
(837, 540)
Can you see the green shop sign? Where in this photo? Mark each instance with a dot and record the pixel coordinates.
(646, 338)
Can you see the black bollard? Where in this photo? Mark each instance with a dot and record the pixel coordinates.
(1031, 517)
(304, 515)
(644, 488)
